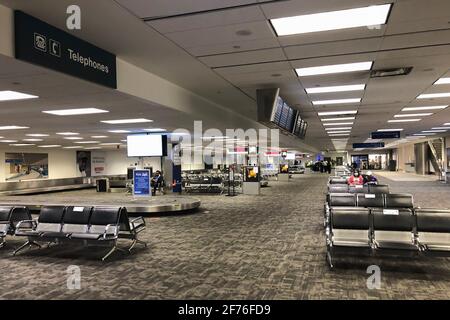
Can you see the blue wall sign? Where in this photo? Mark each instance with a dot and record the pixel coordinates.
(368, 145)
(386, 135)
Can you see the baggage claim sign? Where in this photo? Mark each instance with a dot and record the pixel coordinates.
(42, 44)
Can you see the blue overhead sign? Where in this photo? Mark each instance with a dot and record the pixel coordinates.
(141, 183)
(368, 145)
(386, 135)
(39, 43)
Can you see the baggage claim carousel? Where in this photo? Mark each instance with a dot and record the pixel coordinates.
(81, 192)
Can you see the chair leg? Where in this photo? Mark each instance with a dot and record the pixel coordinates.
(2, 243)
(29, 243)
(113, 249)
(136, 241)
(330, 259)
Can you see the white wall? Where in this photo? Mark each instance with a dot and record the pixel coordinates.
(117, 162)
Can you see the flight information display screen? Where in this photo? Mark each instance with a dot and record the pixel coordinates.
(284, 116)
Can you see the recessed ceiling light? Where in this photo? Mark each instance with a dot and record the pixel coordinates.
(441, 128)
(72, 147)
(443, 81)
(110, 144)
(87, 142)
(333, 20)
(404, 120)
(412, 115)
(424, 134)
(22, 144)
(33, 140)
(126, 121)
(50, 146)
(180, 134)
(338, 119)
(73, 138)
(337, 68)
(389, 130)
(119, 131)
(155, 130)
(14, 95)
(67, 133)
(75, 112)
(336, 101)
(434, 95)
(340, 128)
(338, 124)
(434, 131)
(356, 87)
(334, 132)
(99, 137)
(424, 108)
(8, 141)
(13, 128)
(93, 148)
(339, 135)
(37, 135)
(335, 113)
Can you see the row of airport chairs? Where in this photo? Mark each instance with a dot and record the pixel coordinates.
(376, 231)
(371, 188)
(89, 226)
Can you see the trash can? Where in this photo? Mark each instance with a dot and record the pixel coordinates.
(103, 185)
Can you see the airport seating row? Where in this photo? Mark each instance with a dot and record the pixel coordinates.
(9, 218)
(377, 231)
(371, 188)
(367, 200)
(89, 226)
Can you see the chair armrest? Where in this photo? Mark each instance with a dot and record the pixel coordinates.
(115, 233)
(21, 223)
(136, 222)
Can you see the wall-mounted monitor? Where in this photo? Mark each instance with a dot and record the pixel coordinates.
(147, 145)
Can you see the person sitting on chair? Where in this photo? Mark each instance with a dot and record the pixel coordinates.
(355, 179)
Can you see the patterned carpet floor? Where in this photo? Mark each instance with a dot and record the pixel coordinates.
(246, 247)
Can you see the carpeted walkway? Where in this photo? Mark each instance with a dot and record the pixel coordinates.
(246, 247)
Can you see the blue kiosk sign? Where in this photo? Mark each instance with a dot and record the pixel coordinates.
(141, 183)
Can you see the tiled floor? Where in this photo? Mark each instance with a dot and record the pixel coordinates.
(265, 247)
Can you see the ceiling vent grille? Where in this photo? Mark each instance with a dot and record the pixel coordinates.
(391, 72)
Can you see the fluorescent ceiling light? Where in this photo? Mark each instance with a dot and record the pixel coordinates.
(447, 124)
(404, 120)
(338, 119)
(8, 141)
(434, 95)
(13, 128)
(441, 128)
(50, 146)
(73, 147)
(434, 131)
(340, 128)
(356, 87)
(412, 115)
(87, 142)
(340, 135)
(14, 95)
(333, 132)
(73, 138)
(99, 137)
(37, 135)
(338, 124)
(180, 134)
(74, 112)
(389, 130)
(424, 134)
(33, 140)
(22, 144)
(333, 20)
(120, 131)
(424, 108)
(110, 144)
(336, 101)
(336, 68)
(155, 130)
(93, 148)
(126, 121)
(443, 81)
(335, 113)
(67, 133)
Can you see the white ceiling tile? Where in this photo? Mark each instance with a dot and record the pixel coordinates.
(244, 58)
